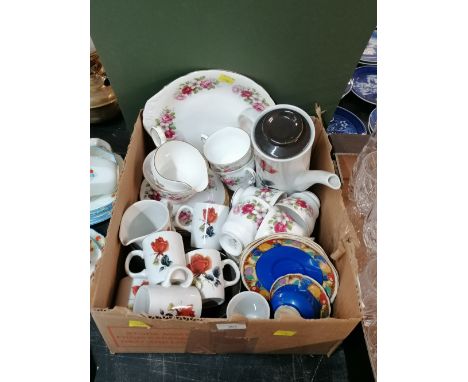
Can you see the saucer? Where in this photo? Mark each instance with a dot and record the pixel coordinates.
(369, 56)
(214, 193)
(348, 88)
(203, 102)
(372, 124)
(279, 255)
(303, 293)
(97, 242)
(365, 83)
(345, 122)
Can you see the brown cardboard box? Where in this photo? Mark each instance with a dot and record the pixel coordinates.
(126, 332)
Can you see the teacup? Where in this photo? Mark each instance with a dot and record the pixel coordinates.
(184, 191)
(173, 301)
(269, 195)
(103, 176)
(242, 177)
(178, 164)
(207, 268)
(204, 221)
(304, 209)
(250, 305)
(141, 219)
(277, 221)
(242, 225)
(227, 149)
(164, 256)
(302, 293)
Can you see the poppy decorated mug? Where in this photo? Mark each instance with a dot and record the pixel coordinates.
(207, 268)
(164, 256)
(205, 225)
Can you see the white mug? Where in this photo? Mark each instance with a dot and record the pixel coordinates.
(173, 301)
(250, 305)
(269, 195)
(141, 219)
(304, 209)
(227, 149)
(242, 224)
(164, 256)
(277, 221)
(205, 225)
(207, 268)
(243, 177)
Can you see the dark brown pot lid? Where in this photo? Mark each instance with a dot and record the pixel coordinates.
(282, 133)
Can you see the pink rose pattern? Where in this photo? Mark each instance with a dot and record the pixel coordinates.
(253, 210)
(194, 86)
(280, 222)
(252, 97)
(231, 181)
(166, 123)
(298, 204)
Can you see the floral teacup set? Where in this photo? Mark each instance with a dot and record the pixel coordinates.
(215, 126)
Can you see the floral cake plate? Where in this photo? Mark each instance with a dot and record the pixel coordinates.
(202, 102)
(365, 83)
(345, 122)
(279, 255)
(302, 293)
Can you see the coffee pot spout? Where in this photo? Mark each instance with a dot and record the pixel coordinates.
(311, 177)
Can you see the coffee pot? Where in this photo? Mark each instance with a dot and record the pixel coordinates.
(282, 138)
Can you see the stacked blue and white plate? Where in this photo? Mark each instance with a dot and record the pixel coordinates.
(369, 56)
(101, 204)
(345, 122)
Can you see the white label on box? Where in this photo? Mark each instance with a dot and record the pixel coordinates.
(230, 326)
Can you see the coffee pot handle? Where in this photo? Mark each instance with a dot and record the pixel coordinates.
(247, 119)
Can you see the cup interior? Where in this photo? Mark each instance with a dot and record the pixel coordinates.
(143, 219)
(227, 146)
(249, 305)
(180, 161)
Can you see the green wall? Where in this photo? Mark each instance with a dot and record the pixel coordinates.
(301, 52)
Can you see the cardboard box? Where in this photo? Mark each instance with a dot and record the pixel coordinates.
(126, 332)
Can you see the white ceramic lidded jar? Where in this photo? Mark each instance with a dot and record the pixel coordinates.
(282, 137)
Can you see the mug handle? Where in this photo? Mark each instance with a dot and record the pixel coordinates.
(188, 281)
(246, 119)
(178, 223)
(142, 274)
(234, 266)
(158, 135)
(253, 176)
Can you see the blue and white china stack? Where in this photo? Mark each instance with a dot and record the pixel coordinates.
(359, 97)
(104, 163)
